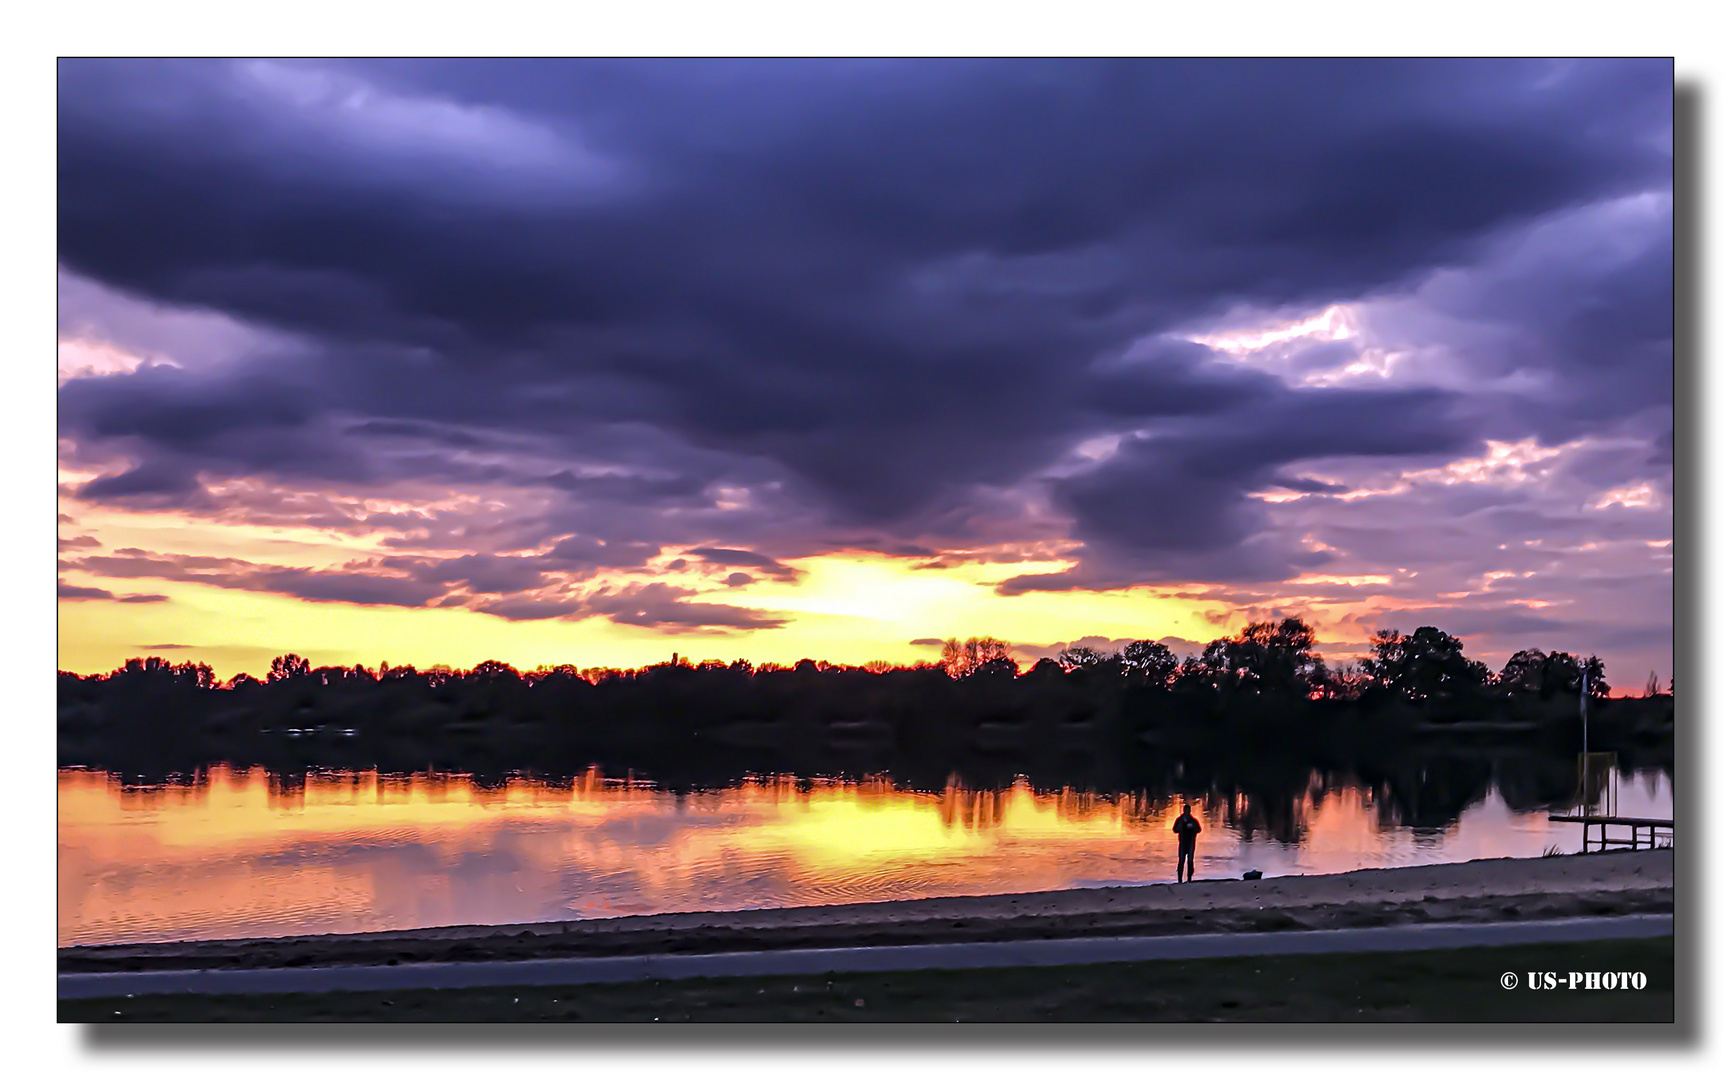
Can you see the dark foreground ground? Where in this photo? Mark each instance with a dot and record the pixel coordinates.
(1431, 985)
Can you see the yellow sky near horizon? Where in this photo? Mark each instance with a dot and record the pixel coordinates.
(848, 607)
(844, 609)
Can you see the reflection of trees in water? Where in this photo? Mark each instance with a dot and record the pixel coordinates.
(1429, 793)
(972, 809)
(1424, 793)
(979, 808)
(1134, 809)
(1275, 798)
(1280, 813)
(1272, 797)
(1142, 809)
(1537, 783)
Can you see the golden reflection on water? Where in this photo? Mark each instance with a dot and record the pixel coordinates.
(236, 856)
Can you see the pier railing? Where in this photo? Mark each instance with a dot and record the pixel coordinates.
(1595, 803)
(1658, 831)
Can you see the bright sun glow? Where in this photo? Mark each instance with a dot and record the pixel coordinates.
(843, 607)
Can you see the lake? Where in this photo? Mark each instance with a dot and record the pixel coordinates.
(237, 854)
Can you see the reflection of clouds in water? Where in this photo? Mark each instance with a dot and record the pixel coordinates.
(413, 855)
(656, 832)
(501, 859)
(1646, 794)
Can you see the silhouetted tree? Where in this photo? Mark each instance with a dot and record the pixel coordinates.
(1532, 671)
(288, 666)
(1427, 664)
(1195, 673)
(962, 659)
(1267, 656)
(199, 675)
(1343, 682)
(1083, 658)
(1387, 650)
(1149, 661)
(1263, 694)
(1045, 668)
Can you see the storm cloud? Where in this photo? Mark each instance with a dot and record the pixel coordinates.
(754, 311)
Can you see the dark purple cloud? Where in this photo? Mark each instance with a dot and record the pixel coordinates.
(84, 592)
(736, 557)
(659, 605)
(344, 586)
(529, 609)
(777, 308)
(81, 592)
(502, 587)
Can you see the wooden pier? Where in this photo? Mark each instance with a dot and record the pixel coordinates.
(1634, 825)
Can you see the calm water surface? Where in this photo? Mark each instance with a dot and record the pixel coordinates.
(236, 856)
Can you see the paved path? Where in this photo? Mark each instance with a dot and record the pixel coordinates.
(974, 954)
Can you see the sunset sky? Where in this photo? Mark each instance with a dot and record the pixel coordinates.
(594, 362)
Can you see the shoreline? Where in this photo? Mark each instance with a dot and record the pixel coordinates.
(1487, 890)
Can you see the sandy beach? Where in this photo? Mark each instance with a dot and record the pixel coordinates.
(1490, 890)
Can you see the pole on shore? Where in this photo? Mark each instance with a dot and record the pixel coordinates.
(1586, 682)
(1592, 669)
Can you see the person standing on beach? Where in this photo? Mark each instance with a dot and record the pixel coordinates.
(1187, 827)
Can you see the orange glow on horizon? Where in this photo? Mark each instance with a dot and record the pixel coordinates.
(844, 607)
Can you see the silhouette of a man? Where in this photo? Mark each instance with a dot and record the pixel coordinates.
(1187, 827)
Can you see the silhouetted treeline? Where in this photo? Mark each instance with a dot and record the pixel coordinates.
(1088, 720)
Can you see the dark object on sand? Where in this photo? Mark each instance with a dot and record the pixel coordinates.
(1252, 875)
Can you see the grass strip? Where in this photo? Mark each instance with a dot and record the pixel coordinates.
(1429, 985)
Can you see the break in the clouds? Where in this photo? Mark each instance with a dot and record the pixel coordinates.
(1267, 327)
